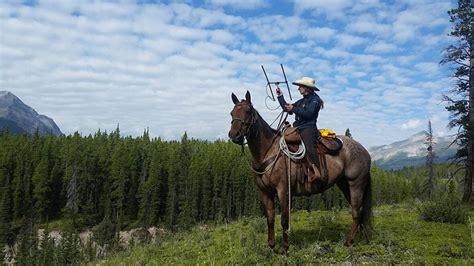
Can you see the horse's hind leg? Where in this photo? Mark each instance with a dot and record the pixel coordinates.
(268, 200)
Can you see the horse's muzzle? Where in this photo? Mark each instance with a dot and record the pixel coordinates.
(236, 138)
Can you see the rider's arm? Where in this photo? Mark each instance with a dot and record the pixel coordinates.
(308, 111)
(282, 102)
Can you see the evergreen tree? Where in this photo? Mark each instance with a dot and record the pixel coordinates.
(69, 249)
(27, 251)
(429, 185)
(41, 189)
(172, 204)
(348, 133)
(151, 192)
(183, 184)
(72, 178)
(461, 101)
(7, 234)
(47, 250)
(119, 182)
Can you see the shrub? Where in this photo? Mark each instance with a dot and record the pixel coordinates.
(445, 208)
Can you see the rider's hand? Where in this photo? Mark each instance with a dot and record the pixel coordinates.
(289, 107)
(278, 92)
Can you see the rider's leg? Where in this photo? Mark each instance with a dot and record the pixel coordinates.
(308, 135)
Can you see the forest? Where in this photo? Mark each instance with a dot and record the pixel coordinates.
(108, 183)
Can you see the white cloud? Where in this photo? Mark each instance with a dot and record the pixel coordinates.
(320, 34)
(275, 28)
(172, 67)
(369, 24)
(329, 8)
(427, 67)
(348, 41)
(242, 4)
(381, 47)
(411, 124)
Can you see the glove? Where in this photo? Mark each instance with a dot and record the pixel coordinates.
(278, 91)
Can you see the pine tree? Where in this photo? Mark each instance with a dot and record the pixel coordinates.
(429, 185)
(72, 178)
(27, 252)
(7, 234)
(183, 184)
(348, 133)
(7, 166)
(461, 101)
(41, 189)
(172, 206)
(56, 200)
(119, 181)
(47, 250)
(151, 193)
(69, 249)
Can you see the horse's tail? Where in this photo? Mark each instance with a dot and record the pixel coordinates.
(366, 215)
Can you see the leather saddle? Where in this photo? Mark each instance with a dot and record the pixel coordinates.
(326, 145)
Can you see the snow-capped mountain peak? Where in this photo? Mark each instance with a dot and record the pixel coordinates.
(411, 151)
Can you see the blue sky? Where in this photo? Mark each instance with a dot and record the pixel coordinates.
(172, 65)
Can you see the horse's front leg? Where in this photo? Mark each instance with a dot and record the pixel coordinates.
(285, 215)
(268, 200)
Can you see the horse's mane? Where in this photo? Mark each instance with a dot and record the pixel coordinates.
(265, 128)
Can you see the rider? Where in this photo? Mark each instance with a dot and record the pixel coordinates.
(306, 111)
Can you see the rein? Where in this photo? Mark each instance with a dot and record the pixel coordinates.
(267, 168)
(253, 120)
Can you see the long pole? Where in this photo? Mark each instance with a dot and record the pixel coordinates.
(286, 81)
(268, 83)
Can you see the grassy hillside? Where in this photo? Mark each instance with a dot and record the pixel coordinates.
(315, 237)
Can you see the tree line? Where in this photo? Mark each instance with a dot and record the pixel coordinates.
(139, 181)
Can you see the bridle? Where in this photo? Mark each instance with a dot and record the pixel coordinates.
(248, 124)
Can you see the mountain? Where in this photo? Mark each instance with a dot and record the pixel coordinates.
(412, 151)
(18, 118)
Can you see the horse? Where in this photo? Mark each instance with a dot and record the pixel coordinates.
(349, 169)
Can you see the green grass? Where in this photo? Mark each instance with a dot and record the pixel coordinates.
(317, 237)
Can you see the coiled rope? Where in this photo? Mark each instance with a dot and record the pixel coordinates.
(298, 155)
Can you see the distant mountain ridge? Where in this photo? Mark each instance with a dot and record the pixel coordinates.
(19, 118)
(412, 151)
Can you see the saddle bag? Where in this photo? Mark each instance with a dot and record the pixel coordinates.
(330, 145)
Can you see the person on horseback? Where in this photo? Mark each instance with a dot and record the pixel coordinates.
(306, 112)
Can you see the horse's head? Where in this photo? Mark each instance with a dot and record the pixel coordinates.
(242, 118)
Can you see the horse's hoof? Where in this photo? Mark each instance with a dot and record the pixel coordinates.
(321, 184)
(348, 242)
(271, 245)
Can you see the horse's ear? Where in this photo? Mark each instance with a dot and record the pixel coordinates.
(234, 99)
(247, 97)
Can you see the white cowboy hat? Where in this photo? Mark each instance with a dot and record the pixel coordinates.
(306, 82)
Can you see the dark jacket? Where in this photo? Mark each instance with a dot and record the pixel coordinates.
(306, 110)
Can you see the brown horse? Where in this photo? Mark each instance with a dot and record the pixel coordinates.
(349, 170)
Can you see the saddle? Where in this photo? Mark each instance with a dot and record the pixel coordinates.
(328, 143)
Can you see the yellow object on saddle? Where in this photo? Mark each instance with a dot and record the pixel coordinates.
(328, 133)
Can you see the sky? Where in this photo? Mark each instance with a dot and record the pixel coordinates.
(171, 66)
